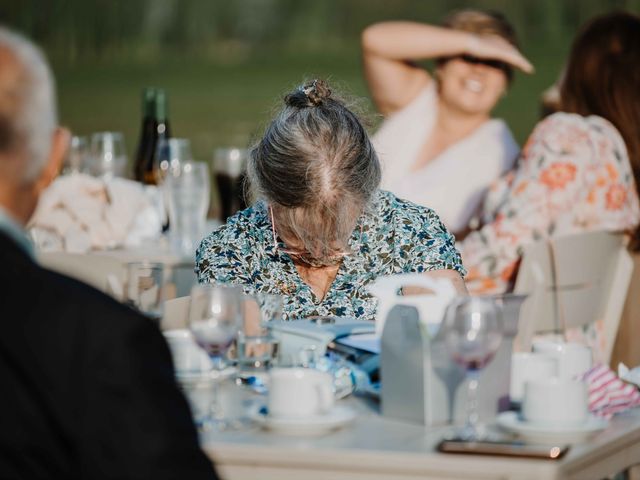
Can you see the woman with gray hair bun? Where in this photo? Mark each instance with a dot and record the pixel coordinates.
(321, 230)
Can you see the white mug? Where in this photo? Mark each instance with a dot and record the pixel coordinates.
(299, 392)
(529, 366)
(187, 356)
(555, 402)
(574, 359)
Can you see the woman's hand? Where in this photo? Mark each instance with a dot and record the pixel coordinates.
(494, 47)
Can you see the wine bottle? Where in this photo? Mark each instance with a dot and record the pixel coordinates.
(145, 146)
(155, 127)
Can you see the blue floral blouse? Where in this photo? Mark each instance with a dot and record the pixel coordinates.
(392, 236)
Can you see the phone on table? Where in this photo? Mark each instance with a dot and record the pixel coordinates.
(510, 448)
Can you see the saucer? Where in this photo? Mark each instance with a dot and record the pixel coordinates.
(191, 378)
(512, 422)
(337, 417)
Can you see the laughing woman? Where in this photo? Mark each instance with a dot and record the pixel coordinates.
(438, 145)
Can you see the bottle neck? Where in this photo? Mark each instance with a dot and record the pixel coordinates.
(160, 107)
(148, 103)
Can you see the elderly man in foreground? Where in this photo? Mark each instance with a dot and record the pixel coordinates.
(87, 384)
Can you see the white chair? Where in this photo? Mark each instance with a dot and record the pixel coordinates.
(94, 270)
(573, 281)
(175, 315)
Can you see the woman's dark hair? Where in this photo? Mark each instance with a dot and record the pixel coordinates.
(316, 167)
(603, 78)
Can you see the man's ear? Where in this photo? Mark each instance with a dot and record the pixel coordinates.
(59, 146)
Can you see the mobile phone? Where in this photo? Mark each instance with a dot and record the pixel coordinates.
(503, 448)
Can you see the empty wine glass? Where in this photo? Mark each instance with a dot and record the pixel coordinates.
(472, 332)
(215, 316)
(77, 155)
(108, 157)
(170, 154)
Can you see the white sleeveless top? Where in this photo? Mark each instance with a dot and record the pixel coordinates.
(455, 182)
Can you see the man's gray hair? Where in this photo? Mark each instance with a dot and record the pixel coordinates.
(28, 114)
(317, 167)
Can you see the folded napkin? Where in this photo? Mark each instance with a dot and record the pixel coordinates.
(629, 376)
(90, 213)
(608, 394)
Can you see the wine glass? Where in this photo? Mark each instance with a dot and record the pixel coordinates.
(76, 158)
(170, 154)
(108, 157)
(472, 332)
(215, 316)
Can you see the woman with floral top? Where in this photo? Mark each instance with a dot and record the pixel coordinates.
(322, 230)
(580, 168)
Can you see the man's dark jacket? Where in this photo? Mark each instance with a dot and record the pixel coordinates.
(86, 384)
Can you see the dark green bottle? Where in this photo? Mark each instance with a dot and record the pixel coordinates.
(155, 127)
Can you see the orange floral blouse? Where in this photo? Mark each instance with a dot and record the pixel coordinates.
(573, 176)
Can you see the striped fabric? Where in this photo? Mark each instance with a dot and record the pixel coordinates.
(608, 394)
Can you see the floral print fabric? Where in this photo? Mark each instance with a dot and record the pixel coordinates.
(392, 236)
(573, 176)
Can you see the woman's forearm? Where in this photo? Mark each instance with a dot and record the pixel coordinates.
(402, 41)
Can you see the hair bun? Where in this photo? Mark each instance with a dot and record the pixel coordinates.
(310, 94)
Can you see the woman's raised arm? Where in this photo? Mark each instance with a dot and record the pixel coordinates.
(391, 48)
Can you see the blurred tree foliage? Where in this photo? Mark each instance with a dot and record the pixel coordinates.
(236, 30)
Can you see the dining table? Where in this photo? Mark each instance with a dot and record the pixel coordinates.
(376, 447)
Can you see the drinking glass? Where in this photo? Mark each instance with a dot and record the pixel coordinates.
(170, 154)
(145, 288)
(257, 348)
(472, 332)
(229, 167)
(77, 156)
(215, 315)
(187, 190)
(108, 156)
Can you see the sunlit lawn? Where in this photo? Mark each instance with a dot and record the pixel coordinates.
(221, 105)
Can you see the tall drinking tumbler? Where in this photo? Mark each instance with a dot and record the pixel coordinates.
(188, 191)
(229, 166)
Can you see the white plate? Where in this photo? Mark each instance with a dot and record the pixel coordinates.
(511, 422)
(337, 417)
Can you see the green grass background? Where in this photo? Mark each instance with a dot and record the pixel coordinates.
(227, 63)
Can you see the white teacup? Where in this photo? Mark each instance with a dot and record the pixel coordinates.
(187, 356)
(574, 359)
(555, 402)
(299, 392)
(529, 366)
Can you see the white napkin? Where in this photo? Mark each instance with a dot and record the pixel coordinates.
(629, 375)
(91, 213)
